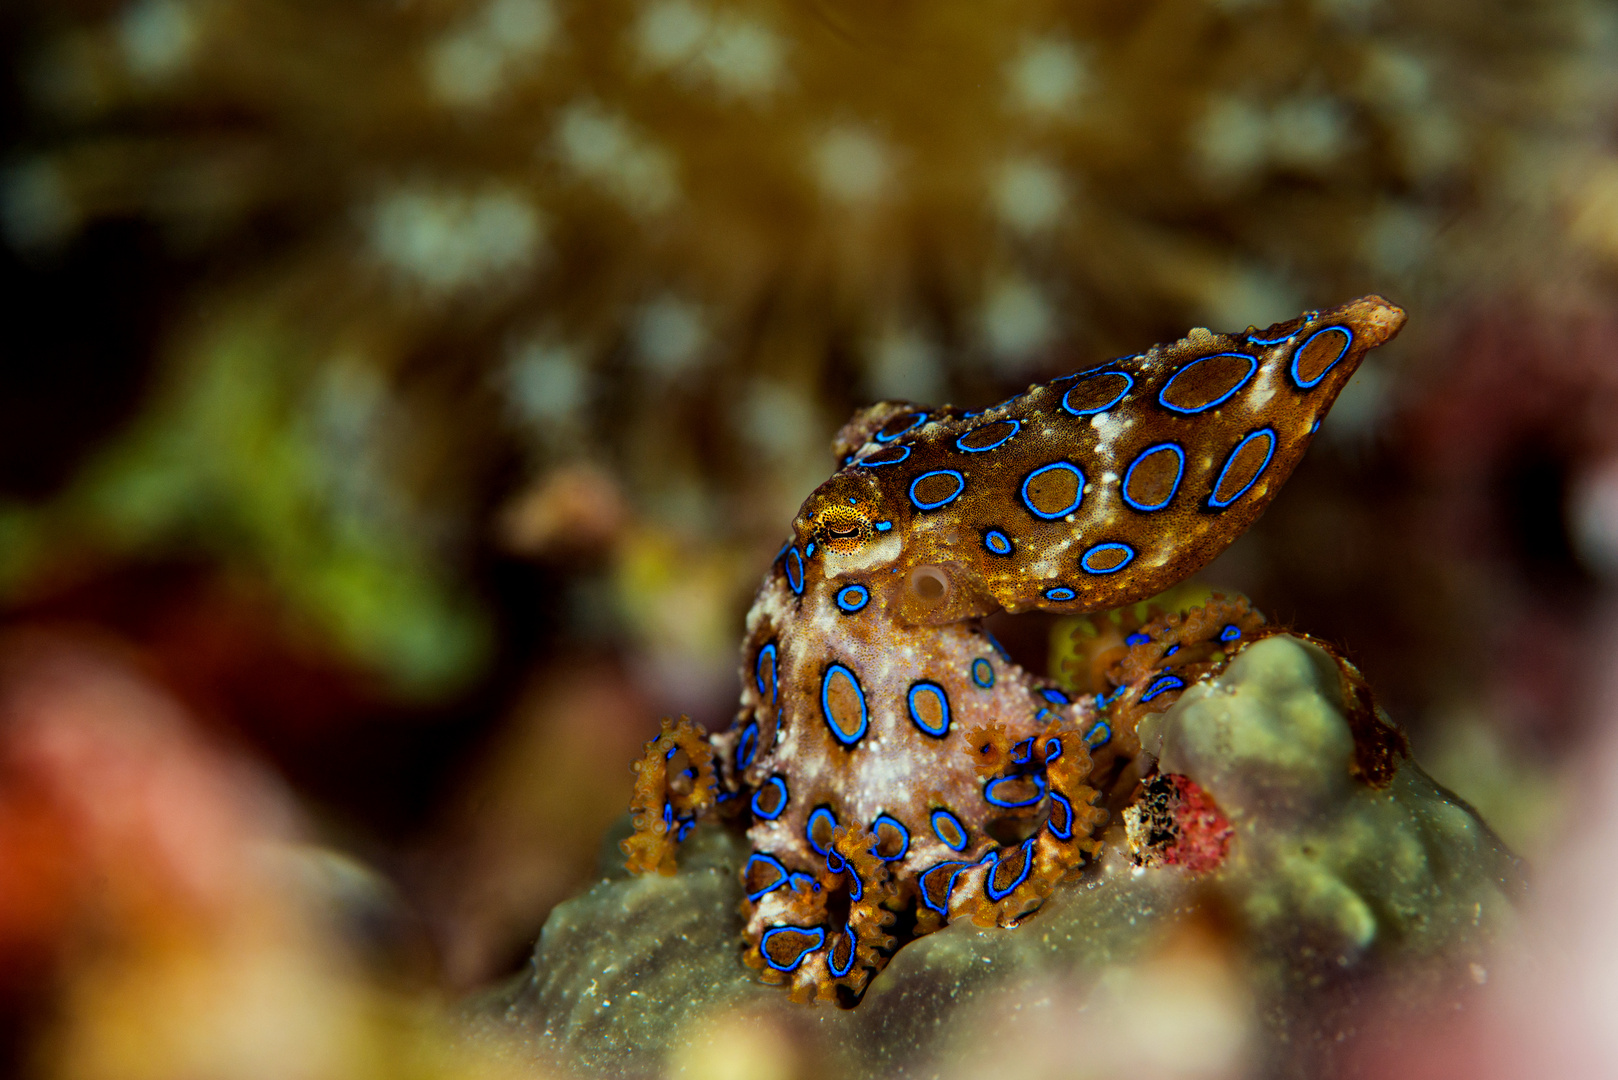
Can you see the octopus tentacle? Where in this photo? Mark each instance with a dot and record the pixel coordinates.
(665, 808)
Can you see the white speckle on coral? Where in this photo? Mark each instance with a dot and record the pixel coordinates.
(1048, 76)
(778, 420)
(670, 32)
(1232, 139)
(473, 62)
(546, 382)
(447, 241)
(157, 37)
(743, 58)
(1029, 195)
(852, 164)
(904, 364)
(1016, 320)
(1308, 133)
(603, 148)
(669, 335)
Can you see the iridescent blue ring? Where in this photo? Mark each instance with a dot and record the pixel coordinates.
(767, 652)
(1129, 384)
(1174, 488)
(1348, 340)
(1269, 455)
(775, 782)
(825, 705)
(774, 864)
(1162, 685)
(852, 598)
(816, 932)
(1060, 593)
(997, 542)
(809, 827)
(1129, 557)
(1067, 832)
(950, 821)
(794, 562)
(1162, 395)
(920, 419)
(867, 463)
(990, 797)
(747, 746)
(889, 819)
(926, 687)
(853, 951)
(960, 486)
(983, 673)
(1016, 425)
(1078, 490)
(1027, 865)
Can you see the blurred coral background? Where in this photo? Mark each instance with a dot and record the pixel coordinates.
(401, 400)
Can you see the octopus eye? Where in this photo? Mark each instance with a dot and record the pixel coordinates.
(843, 528)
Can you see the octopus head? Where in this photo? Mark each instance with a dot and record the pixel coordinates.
(844, 514)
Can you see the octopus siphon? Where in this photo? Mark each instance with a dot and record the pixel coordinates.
(893, 769)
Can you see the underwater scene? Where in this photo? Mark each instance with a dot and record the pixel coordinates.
(786, 539)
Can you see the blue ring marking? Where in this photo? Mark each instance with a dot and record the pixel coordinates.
(950, 820)
(817, 932)
(1016, 426)
(1129, 384)
(774, 863)
(960, 486)
(883, 526)
(1060, 593)
(1174, 488)
(1053, 749)
(997, 895)
(920, 419)
(1213, 492)
(983, 673)
(1054, 696)
(1162, 686)
(1162, 395)
(999, 648)
(1314, 427)
(774, 781)
(797, 876)
(685, 829)
(927, 687)
(672, 751)
(949, 886)
(809, 551)
(795, 561)
(1136, 639)
(668, 815)
(853, 951)
(1129, 557)
(839, 867)
(775, 675)
(856, 887)
(1171, 650)
(1230, 633)
(852, 598)
(889, 819)
(994, 800)
(1057, 796)
(1348, 340)
(997, 542)
(825, 706)
(1078, 491)
(867, 463)
(809, 828)
(1022, 751)
(1098, 735)
(747, 746)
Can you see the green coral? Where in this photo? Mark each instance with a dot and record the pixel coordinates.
(1328, 882)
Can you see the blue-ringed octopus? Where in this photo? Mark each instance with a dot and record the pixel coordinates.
(893, 768)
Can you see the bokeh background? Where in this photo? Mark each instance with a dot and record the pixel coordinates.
(400, 400)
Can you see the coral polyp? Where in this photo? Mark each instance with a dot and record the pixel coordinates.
(892, 767)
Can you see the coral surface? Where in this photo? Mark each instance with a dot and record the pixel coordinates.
(1331, 887)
